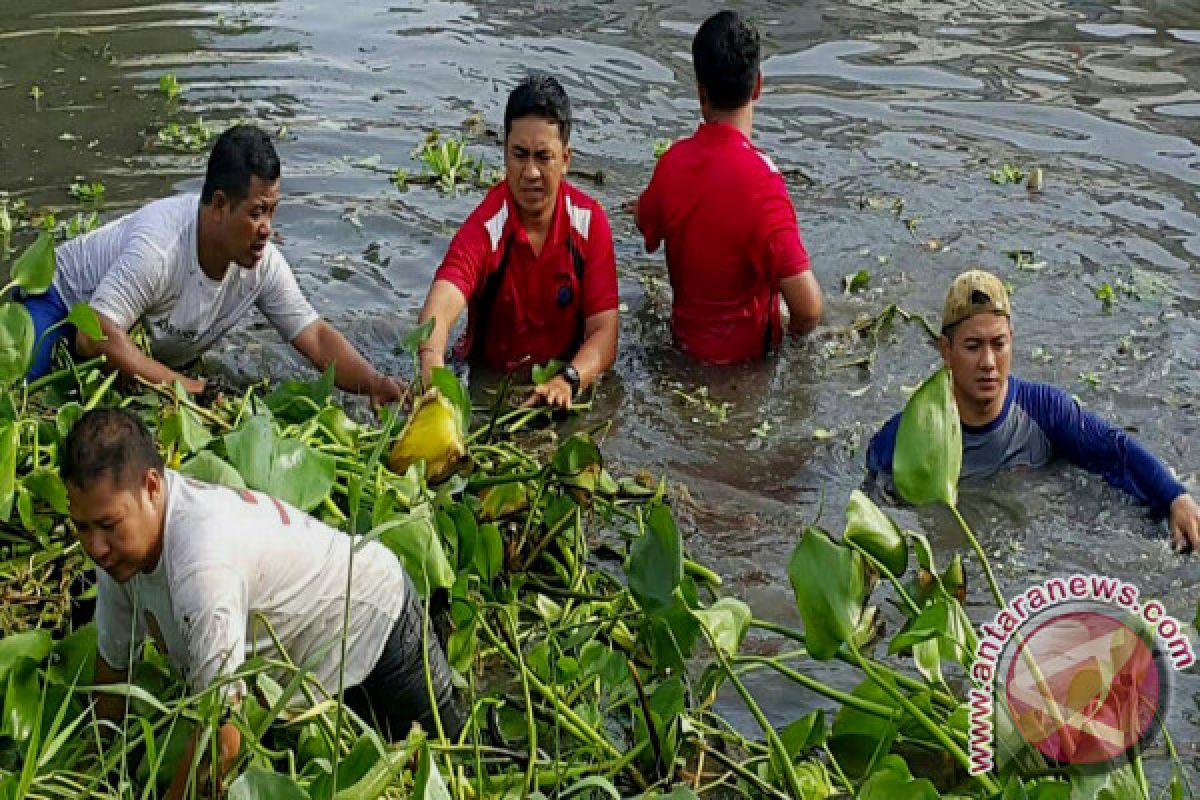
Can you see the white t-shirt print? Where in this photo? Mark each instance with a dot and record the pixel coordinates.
(144, 266)
(234, 563)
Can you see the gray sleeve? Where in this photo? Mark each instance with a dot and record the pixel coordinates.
(114, 621)
(281, 301)
(134, 284)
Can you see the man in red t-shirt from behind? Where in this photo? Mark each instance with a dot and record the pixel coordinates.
(722, 207)
(534, 263)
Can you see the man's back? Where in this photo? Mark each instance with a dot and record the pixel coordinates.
(723, 211)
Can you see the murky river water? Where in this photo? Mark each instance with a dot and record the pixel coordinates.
(878, 102)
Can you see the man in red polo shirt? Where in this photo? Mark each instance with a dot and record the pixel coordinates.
(534, 263)
(723, 210)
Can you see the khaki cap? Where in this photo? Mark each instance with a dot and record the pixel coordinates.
(975, 292)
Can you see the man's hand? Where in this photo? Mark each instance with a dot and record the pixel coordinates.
(631, 206)
(387, 390)
(1185, 524)
(555, 392)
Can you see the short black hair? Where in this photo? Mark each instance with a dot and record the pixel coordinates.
(539, 95)
(241, 153)
(726, 54)
(109, 441)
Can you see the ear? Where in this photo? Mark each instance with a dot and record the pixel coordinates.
(566, 158)
(153, 484)
(220, 201)
(758, 82)
(702, 96)
(944, 346)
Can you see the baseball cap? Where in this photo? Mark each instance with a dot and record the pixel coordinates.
(975, 292)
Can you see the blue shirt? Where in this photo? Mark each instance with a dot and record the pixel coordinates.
(1038, 423)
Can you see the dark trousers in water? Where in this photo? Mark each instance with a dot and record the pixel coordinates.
(395, 694)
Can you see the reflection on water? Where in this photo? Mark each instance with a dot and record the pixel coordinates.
(879, 102)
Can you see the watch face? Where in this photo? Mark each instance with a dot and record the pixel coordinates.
(571, 375)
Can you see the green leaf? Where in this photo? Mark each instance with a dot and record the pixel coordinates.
(726, 621)
(875, 533)
(670, 634)
(941, 620)
(489, 552)
(444, 380)
(830, 586)
(467, 531)
(84, 318)
(928, 455)
(804, 733)
(34, 645)
(655, 565)
(257, 783)
(17, 336)
(283, 468)
(576, 454)
(856, 281)
(34, 270)
(595, 787)
(1110, 784)
(22, 700)
(414, 539)
(858, 739)
(503, 500)
(9, 443)
(66, 417)
(417, 337)
(893, 781)
(73, 662)
(45, 485)
(541, 374)
(299, 401)
(209, 467)
(182, 429)
(428, 783)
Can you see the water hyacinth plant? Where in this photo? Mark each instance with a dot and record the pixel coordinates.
(596, 658)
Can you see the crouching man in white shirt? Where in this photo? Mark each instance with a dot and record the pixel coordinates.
(210, 573)
(189, 268)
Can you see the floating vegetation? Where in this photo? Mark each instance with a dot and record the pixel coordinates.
(856, 281)
(192, 137)
(168, 86)
(716, 411)
(87, 191)
(1007, 174)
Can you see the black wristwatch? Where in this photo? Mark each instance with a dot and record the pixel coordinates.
(571, 376)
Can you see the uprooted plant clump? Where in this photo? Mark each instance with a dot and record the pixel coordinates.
(589, 649)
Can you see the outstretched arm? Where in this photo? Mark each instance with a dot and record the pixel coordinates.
(323, 344)
(1091, 442)
(596, 354)
(443, 305)
(122, 355)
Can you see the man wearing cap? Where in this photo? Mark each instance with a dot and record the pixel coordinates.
(1010, 422)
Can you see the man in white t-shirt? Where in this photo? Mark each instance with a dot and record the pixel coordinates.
(190, 268)
(215, 575)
